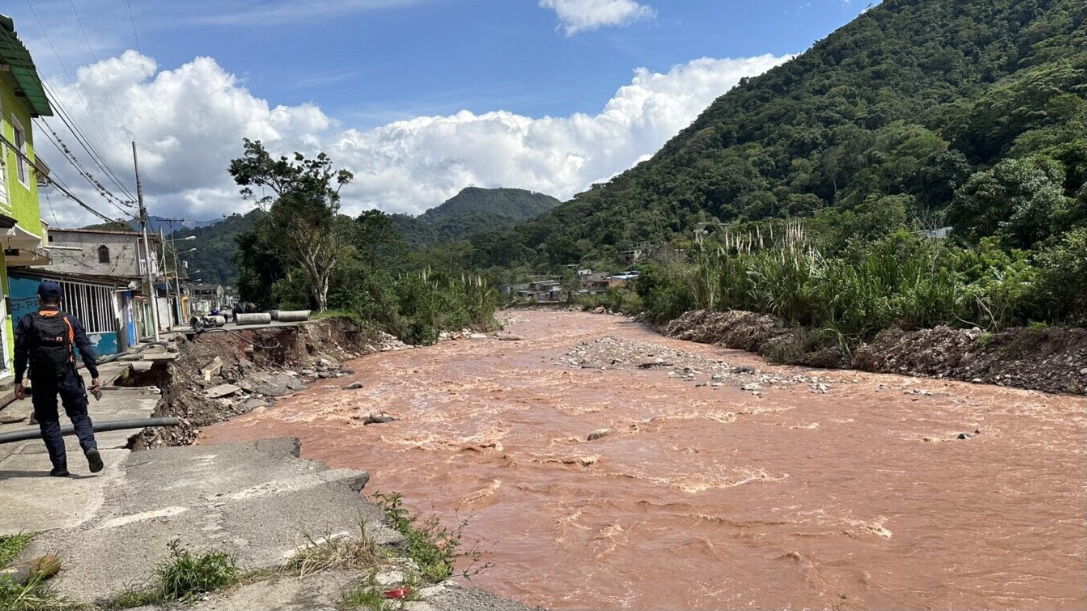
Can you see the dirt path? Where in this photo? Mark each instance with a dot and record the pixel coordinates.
(786, 494)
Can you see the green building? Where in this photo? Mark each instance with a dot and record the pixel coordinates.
(22, 98)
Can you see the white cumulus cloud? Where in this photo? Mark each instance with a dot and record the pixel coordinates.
(581, 15)
(189, 123)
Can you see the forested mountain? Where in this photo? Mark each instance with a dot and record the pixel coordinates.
(517, 204)
(215, 246)
(966, 110)
(472, 210)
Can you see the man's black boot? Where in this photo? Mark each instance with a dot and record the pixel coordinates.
(59, 472)
(94, 460)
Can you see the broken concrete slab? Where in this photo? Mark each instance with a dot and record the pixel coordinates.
(271, 384)
(212, 369)
(222, 390)
(142, 366)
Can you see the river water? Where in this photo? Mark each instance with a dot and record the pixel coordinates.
(712, 497)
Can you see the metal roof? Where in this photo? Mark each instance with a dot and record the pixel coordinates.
(16, 58)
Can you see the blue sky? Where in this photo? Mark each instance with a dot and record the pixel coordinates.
(420, 98)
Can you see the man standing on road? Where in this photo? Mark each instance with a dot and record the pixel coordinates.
(46, 340)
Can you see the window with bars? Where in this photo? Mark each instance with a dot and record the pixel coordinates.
(92, 304)
(103, 254)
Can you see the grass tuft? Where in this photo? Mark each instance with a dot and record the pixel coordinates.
(35, 593)
(367, 595)
(13, 545)
(185, 575)
(336, 552)
(182, 577)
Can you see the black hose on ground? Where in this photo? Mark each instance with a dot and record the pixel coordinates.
(114, 357)
(99, 427)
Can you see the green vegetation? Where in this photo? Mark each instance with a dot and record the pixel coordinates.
(13, 545)
(215, 246)
(902, 280)
(33, 595)
(914, 117)
(302, 229)
(614, 300)
(368, 595)
(912, 111)
(304, 254)
(182, 577)
(434, 548)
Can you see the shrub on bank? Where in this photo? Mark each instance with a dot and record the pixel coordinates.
(902, 280)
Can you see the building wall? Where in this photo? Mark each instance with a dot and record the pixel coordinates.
(22, 199)
(125, 253)
(18, 199)
(97, 306)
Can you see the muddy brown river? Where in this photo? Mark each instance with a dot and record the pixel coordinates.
(711, 497)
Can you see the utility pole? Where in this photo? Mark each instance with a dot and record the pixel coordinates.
(165, 273)
(177, 269)
(152, 293)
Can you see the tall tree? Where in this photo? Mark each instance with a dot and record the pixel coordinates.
(377, 243)
(303, 220)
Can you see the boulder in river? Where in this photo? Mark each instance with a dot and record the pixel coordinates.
(379, 418)
(598, 433)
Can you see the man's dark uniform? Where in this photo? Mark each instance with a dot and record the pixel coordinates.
(44, 388)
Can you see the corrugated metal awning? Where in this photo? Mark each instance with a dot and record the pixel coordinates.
(28, 85)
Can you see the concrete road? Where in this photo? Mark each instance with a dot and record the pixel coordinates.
(34, 501)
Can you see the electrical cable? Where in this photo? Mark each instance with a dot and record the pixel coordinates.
(76, 90)
(55, 140)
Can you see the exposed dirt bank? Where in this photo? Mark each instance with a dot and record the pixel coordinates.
(1050, 359)
(219, 374)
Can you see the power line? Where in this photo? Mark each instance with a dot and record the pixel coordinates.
(68, 76)
(74, 162)
(52, 211)
(67, 192)
(85, 142)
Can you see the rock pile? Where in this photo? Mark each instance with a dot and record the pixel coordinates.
(615, 353)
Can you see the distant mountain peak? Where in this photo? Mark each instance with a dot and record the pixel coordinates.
(516, 204)
(471, 211)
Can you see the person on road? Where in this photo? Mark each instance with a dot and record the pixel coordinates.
(46, 341)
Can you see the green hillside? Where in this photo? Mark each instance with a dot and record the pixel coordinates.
(215, 246)
(471, 211)
(517, 204)
(915, 111)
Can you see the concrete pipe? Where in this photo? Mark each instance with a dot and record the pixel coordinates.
(274, 314)
(293, 315)
(219, 321)
(99, 427)
(262, 318)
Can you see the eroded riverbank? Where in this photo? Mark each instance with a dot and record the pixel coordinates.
(712, 496)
